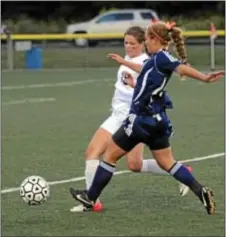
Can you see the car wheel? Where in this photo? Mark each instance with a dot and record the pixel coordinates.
(82, 42)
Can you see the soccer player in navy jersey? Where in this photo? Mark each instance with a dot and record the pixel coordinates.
(147, 121)
(134, 39)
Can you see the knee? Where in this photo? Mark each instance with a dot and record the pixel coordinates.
(166, 164)
(91, 153)
(113, 153)
(134, 166)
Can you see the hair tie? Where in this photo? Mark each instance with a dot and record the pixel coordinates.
(170, 25)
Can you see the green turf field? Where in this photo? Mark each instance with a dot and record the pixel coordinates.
(48, 118)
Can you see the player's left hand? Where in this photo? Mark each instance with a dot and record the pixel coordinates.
(129, 80)
(214, 76)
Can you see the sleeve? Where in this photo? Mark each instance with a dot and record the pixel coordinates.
(140, 60)
(145, 58)
(165, 62)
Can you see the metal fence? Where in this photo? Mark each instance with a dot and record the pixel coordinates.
(58, 53)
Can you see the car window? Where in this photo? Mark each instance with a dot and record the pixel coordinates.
(116, 17)
(147, 16)
(124, 16)
(107, 18)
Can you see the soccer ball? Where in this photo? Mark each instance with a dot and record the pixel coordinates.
(34, 190)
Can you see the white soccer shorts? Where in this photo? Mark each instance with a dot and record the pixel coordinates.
(119, 114)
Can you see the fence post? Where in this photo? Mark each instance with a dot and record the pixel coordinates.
(212, 53)
(213, 36)
(10, 52)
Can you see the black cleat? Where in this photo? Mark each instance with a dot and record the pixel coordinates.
(81, 196)
(208, 200)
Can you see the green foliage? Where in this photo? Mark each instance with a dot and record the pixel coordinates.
(104, 9)
(25, 24)
(198, 23)
(28, 25)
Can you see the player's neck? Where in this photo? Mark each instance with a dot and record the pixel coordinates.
(135, 56)
(158, 49)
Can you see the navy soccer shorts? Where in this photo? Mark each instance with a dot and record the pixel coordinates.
(154, 131)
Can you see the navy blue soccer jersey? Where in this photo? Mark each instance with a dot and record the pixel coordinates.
(149, 96)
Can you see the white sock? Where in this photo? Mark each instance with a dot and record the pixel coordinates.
(90, 170)
(152, 166)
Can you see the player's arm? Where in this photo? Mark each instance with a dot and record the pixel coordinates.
(166, 62)
(134, 66)
(192, 72)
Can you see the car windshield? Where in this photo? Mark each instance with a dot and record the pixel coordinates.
(116, 17)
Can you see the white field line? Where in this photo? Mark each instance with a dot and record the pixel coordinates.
(57, 84)
(217, 155)
(29, 100)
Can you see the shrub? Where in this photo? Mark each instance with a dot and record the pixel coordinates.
(28, 25)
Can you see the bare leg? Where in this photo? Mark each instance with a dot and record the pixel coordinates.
(136, 163)
(134, 158)
(94, 151)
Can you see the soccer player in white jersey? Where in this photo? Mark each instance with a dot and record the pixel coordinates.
(134, 39)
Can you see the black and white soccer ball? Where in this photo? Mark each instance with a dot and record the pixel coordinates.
(34, 190)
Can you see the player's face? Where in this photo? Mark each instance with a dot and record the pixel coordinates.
(132, 47)
(150, 44)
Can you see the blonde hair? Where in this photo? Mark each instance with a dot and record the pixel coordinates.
(167, 34)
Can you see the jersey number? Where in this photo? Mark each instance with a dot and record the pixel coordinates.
(129, 128)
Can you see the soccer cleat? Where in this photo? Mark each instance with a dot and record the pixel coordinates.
(208, 200)
(188, 168)
(81, 196)
(184, 189)
(98, 207)
(80, 208)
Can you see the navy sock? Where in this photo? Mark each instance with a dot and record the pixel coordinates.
(182, 174)
(101, 179)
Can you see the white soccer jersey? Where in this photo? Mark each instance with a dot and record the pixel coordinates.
(122, 97)
(124, 92)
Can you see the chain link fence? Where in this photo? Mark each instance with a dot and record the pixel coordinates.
(66, 55)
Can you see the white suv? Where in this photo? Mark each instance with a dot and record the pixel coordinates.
(116, 21)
